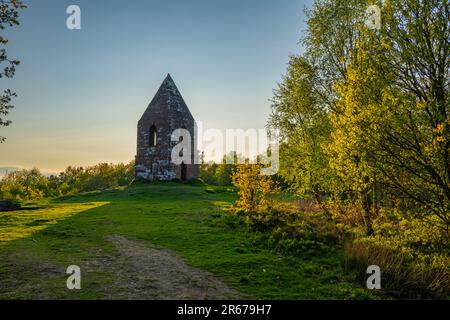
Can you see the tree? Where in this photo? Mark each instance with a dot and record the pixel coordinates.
(332, 27)
(9, 15)
(25, 184)
(392, 125)
(365, 113)
(304, 129)
(306, 99)
(418, 34)
(356, 124)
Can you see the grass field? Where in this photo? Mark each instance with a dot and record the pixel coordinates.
(188, 221)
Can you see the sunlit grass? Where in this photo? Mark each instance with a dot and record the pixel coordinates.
(191, 221)
(19, 224)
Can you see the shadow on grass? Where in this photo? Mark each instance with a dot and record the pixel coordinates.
(36, 247)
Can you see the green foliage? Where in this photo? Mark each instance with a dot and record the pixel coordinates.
(98, 177)
(255, 189)
(31, 184)
(365, 124)
(219, 174)
(208, 172)
(25, 184)
(392, 127)
(304, 127)
(290, 229)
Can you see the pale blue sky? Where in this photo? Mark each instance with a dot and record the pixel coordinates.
(82, 92)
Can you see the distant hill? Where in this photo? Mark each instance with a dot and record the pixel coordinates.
(6, 170)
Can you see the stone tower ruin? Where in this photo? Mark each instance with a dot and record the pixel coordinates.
(165, 113)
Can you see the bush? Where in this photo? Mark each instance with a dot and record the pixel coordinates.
(217, 174)
(25, 184)
(255, 189)
(98, 177)
(32, 184)
(288, 228)
(413, 254)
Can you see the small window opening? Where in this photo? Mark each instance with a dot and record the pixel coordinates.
(153, 136)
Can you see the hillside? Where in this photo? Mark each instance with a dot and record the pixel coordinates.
(157, 241)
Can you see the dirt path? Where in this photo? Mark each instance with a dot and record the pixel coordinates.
(153, 273)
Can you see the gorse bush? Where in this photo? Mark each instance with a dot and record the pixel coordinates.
(255, 189)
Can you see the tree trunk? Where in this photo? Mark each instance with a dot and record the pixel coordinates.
(319, 201)
(367, 214)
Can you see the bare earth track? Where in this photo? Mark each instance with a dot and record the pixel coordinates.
(154, 273)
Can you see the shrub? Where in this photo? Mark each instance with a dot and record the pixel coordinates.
(288, 228)
(255, 190)
(217, 174)
(25, 184)
(31, 184)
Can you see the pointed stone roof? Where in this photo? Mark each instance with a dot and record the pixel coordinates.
(167, 99)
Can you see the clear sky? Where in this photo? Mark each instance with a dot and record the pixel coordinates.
(81, 92)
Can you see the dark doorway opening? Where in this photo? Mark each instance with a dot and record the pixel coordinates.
(183, 171)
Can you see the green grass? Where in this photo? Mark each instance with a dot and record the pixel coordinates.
(37, 246)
